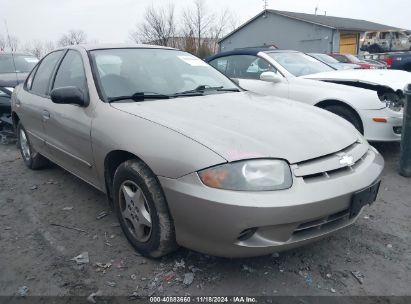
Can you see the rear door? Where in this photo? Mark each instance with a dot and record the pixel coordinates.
(68, 126)
(31, 101)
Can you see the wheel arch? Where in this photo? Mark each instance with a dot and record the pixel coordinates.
(111, 162)
(333, 102)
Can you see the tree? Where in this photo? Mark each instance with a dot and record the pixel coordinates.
(73, 37)
(39, 48)
(35, 48)
(223, 23)
(159, 27)
(13, 43)
(48, 47)
(189, 44)
(204, 51)
(3, 43)
(198, 21)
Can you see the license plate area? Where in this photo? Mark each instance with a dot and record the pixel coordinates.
(364, 197)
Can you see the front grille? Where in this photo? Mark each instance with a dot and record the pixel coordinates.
(330, 166)
(333, 220)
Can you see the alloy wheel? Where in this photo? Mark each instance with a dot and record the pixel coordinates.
(135, 211)
(24, 145)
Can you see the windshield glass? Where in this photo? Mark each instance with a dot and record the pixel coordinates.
(300, 64)
(325, 58)
(18, 64)
(125, 72)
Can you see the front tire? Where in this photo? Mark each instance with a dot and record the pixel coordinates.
(142, 210)
(348, 115)
(31, 157)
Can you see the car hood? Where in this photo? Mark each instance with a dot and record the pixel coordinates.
(245, 125)
(394, 79)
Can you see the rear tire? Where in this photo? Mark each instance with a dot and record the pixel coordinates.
(348, 115)
(31, 157)
(142, 210)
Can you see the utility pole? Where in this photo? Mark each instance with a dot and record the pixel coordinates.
(405, 158)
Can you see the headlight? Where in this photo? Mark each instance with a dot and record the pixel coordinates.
(392, 101)
(395, 106)
(250, 175)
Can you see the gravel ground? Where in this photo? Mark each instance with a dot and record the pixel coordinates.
(37, 253)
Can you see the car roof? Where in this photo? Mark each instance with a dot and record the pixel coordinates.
(248, 51)
(103, 46)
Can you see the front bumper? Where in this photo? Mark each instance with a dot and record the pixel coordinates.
(212, 221)
(382, 131)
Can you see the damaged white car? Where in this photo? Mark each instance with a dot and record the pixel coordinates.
(389, 84)
(374, 109)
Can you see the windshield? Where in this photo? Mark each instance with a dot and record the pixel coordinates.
(300, 64)
(325, 58)
(18, 64)
(125, 72)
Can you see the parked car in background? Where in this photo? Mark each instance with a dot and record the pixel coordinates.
(348, 58)
(285, 74)
(399, 61)
(187, 157)
(327, 59)
(386, 41)
(14, 68)
(6, 124)
(381, 64)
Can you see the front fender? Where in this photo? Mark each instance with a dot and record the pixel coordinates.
(167, 152)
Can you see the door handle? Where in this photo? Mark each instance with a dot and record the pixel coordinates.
(46, 115)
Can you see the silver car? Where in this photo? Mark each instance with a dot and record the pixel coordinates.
(188, 158)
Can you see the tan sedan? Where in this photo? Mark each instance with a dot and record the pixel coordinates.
(188, 158)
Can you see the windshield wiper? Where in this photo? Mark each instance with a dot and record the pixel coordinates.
(203, 88)
(140, 96)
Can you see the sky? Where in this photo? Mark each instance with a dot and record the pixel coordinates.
(112, 20)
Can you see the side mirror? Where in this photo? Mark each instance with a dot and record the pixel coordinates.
(270, 77)
(68, 95)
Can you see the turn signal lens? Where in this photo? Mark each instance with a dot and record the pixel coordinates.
(383, 120)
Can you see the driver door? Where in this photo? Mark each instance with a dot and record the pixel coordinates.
(247, 69)
(68, 126)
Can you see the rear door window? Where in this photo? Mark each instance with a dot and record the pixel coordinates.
(41, 81)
